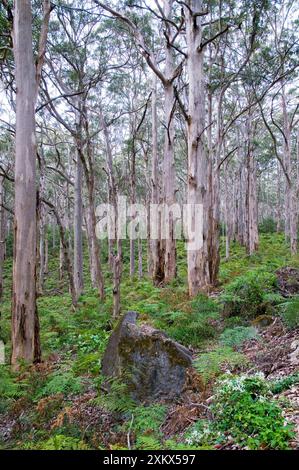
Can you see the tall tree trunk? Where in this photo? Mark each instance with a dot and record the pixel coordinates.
(2, 233)
(95, 267)
(133, 201)
(214, 228)
(252, 218)
(197, 257)
(290, 206)
(140, 269)
(279, 200)
(78, 223)
(156, 267)
(115, 258)
(41, 223)
(169, 163)
(88, 166)
(25, 324)
(61, 262)
(46, 269)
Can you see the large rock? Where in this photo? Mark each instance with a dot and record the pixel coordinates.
(155, 366)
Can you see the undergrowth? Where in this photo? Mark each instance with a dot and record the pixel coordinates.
(40, 401)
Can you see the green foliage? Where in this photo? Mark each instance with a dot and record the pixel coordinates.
(193, 327)
(245, 295)
(285, 383)
(149, 418)
(9, 388)
(148, 443)
(232, 322)
(290, 313)
(243, 408)
(202, 434)
(235, 337)
(87, 363)
(75, 341)
(273, 254)
(210, 364)
(173, 444)
(118, 399)
(57, 442)
(268, 225)
(61, 382)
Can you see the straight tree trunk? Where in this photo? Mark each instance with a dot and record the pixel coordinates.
(46, 270)
(25, 324)
(140, 269)
(78, 223)
(88, 166)
(2, 233)
(169, 163)
(133, 201)
(279, 200)
(156, 244)
(252, 218)
(198, 273)
(114, 258)
(290, 207)
(61, 262)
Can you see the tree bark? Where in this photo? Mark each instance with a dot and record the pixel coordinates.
(2, 233)
(169, 163)
(25, 324)
(251, 201)
(290, 206)
(198, 274)
(78, 222)
(114, 258)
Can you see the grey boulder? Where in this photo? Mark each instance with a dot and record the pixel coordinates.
(154, 366)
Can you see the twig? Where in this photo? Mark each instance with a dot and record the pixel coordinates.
(129, 432)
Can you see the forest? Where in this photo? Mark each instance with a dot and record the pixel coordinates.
(149, 208)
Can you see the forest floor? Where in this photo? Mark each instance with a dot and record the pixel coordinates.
(244, 337)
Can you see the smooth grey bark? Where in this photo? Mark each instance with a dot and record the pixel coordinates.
(198, 272)
(251, 194)
(78, 223)
(168, 158)
(290, 196)
(2, 233)
(25, 325)
(115, 256)
(156, 245)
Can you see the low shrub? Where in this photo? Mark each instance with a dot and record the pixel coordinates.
(285, 383)
(58, 442)
(191, 328)
(243, 407)
(236, 337)
(210, 364)
(61, 382)
(246, 295)
(290, 313)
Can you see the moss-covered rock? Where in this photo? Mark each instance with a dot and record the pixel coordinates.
(156, 365)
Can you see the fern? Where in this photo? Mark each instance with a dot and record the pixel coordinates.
(148, 443)
(118, 399)
(290, 313)
(285, 383)
(235, 337)
(60, 382)
(149, 418)
(9, 388)
(209, 364)
(58, 442)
